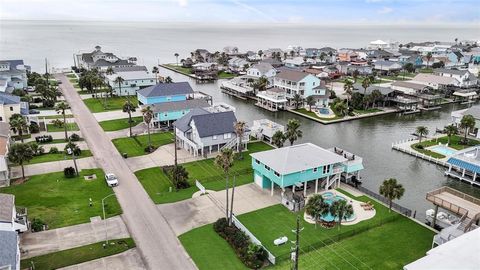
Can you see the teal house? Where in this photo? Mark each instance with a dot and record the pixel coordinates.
(304, 164)
(166, 113)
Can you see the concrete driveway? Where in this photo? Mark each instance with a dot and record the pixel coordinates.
(128, 260)
(189, 214)
(39, 243)
(54, 166)
(111, 115)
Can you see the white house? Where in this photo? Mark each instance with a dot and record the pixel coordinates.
(237, 64)
(10, 220)
(9, 105)
(298, 62)
(435, 81)
(302, 83)
(385, 66)
(473, 111)
(9, 250)
(262, 69)
(102, 60)
(4, 147)
(464, 77)
(13, 75)
(135, 78)
(378, 44)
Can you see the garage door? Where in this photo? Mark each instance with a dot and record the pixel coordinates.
(258, 180)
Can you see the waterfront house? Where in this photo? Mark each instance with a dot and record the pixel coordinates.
(346, 55)
(204, 131)
(465, 165)
(272, 99)
(201, 56)
(304, 164)
(4, 147)
(378, 44)
(165, 92)
(298, 62)
(434, 81)
(388, 94)
(135, 78)
(264, 129)
(464, 77)
(9, 250)
(387, 67)
(272, 61)
(408, 87)
(298, 82)
(262, 69)
(13, 75)
(12, 219)
(473, 111)
(101, 60)
(272, 53)
(11, 104)
(165, 113)
(237, 64)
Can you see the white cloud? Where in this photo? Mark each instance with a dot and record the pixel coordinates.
(254, 9)
(385, 10)
(182, 3)
(373, 1)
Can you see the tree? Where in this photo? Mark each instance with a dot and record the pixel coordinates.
(18, 125)
(176, 56)
(260, 53)
(297, 99)
(20, 153)
(119, 80)
(348, 88)
(391, 190)
(293, 131)
(224, 160)
(155, 71)
(147, 117)
(240, 128)
(450, 130)
(365, 84)
(467, 122)
(376, 96)
(429, 57)
(421, 132)
(179, 177)
(310, 102)
(168, 79)
(110, 71)
(128, 107)
(316, 207)
(342, 210)
(341, 108)
(278, 138)
(73, 149)
(61, 108)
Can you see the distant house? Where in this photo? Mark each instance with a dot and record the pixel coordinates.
(464, 77)
(408, 87)
(201, 56)
(9, 250)
(165, 92)
(273, 61)
(298, 82)
(236, 64)
(11, 104)
(379, 55)
(378, 44)
(298, 62)
(4, 147)
(13, 75)
(349, 69)
(346, 55)
(230, 50)
(262, 69)
(387, 66)
(204, 131)
(455, 58)
(135, 78)
(434, 81)
(102, 61)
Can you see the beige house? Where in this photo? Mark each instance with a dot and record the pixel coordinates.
(9, 105)
(4, 146)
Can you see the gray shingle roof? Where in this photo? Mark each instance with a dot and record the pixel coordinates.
(183, 123)
(180, 105)
(263, 67)
(6, 99)
(473, 111)
(167, 89)
(384, 90)
(451, 71)
(105, 63)
(8, 249)
(6, 207)
(214, 123)
(130, 68)
(291, 75)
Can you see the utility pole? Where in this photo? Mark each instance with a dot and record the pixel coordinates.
(296, 247)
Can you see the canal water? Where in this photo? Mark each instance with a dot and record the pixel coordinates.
(370, 138)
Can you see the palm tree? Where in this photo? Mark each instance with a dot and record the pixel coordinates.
(342, 210)
(61, 108)
(262, 83)
(316, 207)
(176, 56)
(119, 80)
(391, 190)
(110, 71)
(147, 117)
(450, 130)
(293, 131)
(240, 128)
(168, 79)
(224, 160)
(18, 125)
(341, 108)
(128, 107)
(348, 88)
(310, 102)
(155, 71)
(278, 139)
(467, 122)
(428, 56)
(365, 84)
(421, 131)
(20, 153)
(297, 99)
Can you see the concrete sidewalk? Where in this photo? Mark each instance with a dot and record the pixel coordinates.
(54, 166)
(128, 260)
(40, 243)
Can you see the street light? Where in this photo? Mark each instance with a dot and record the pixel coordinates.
(104, 219)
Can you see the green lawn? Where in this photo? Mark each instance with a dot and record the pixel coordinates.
(361, 79)
(225, 75)
(454, 143)
(314, 115)
(426, 70)
(157, 184)
(78, 255)
(387, 241)
(71, 76)
(135, 146)
(70, 127)
(113, 103)
(371, 110)
(119, 124)
(61, 201)
(210, 251)
(58, 116)
(56, 157)
(180, 68)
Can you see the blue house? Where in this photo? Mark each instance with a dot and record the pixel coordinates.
(165, 113)
(465, 165)
(165, 92)
(304, 164)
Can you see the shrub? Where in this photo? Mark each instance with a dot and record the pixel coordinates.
(75, 137)
(34, 128)
(48, 103)
(33, 106)
(36, 100)
(37, 225)
(44, 139)
(419, 146)
(149, 149)
(53, 150)
(57, 123)
(69, 172)
(220, 225)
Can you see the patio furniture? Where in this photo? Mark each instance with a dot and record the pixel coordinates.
(280, 241)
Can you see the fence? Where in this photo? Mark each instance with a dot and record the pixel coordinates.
(254, 239)
(405, 211)
(396, 146)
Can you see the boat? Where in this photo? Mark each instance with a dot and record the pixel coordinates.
(444, 220)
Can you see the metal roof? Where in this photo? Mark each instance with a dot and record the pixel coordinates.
(179, 105)
(6, 207)
(166, 89)
(8, 249)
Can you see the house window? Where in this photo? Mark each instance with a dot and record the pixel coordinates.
(11, 109)
(257, 161)
(276, 173)
(227, 135)
(1, 118)
(165, 114)
(214, 137)
(267, 168)
(315, 169)
(169, 98)
(302, 84)
(326, 169)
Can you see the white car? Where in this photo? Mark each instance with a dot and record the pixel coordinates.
(112, 180)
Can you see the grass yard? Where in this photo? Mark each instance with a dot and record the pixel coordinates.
(58, 116)
(60, 201)
(225, 75)
(180, 68)
(387, 241)
(157, 184)
(314, 115)
(57, 157)
(70, 127)
(71, 76)
(78, 255)
(135, 146)
(210, 251)
(119, 124)
(113, 103)
(454, 143)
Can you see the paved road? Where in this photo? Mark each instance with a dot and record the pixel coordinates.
(155, 240)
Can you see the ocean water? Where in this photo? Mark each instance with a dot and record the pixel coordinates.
(155, 42)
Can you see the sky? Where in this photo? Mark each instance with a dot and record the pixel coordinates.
(248, 11)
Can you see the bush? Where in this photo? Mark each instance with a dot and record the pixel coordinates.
(419, 146)
(75, 137)
(220, 225)
(48, 103)
(149, 149)
(57, 123)
(33, 106)
(37, 225)
(53, 150)
(34, 128)
(36, 100)
(44, 139)
(69, 172)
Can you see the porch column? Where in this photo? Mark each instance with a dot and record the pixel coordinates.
(271, 192)
(435, 216)
(316, 186)
(463, 173)
(474, 176)
(328, 182)
(450, 168)
(305, 189)
(293, 189)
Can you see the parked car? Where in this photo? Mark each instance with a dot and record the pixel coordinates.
(33, 111)
(112, 180)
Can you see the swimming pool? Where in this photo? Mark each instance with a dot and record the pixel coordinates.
(444, 150)
(329, 198)
(324, 111)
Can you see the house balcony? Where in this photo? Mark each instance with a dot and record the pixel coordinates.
(337, 170)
